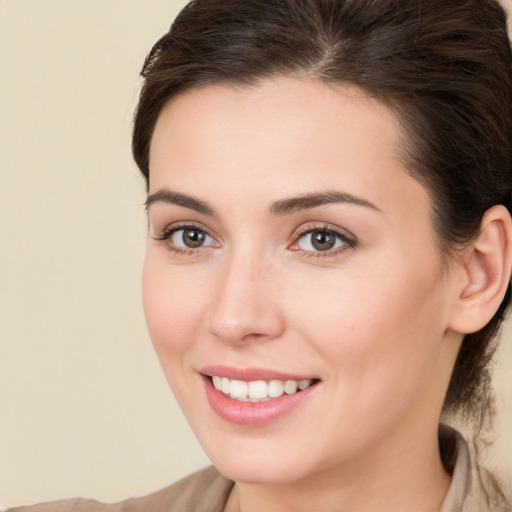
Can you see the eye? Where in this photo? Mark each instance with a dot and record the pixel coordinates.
(185, 239)
(321, 240)
(189, 238)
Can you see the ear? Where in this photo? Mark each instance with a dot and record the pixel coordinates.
(486, 269)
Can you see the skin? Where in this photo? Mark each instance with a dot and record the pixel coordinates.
(372, 320)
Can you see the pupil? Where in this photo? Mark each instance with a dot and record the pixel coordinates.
(193, 238)
(323, 240)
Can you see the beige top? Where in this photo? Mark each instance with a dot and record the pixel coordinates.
(472, 490)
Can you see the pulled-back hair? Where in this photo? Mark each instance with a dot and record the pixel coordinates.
(443, 66)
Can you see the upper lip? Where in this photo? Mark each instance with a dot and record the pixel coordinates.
(251, 374)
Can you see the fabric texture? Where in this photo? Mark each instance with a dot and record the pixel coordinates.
(472, 490)
(204, 491)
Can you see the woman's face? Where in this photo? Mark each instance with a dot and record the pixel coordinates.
(287, 242)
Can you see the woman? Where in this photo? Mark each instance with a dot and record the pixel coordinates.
(329, 248)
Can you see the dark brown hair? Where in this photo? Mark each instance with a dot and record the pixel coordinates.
(443, 66)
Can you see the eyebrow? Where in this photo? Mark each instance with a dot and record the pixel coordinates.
(169, 197)
(279, 208)
(309, 201)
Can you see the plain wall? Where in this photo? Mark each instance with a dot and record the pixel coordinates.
(84, 407)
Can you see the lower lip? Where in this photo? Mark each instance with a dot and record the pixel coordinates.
(253, 414)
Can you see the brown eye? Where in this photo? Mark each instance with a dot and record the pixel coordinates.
(190, 238)
(321, 240)
(193, 238)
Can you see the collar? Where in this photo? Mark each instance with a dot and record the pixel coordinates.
(473, 488)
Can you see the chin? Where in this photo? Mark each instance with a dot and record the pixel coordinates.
(257, 472)
(261, 461)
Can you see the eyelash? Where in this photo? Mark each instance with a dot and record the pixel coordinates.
(169, 231)
(348, 240)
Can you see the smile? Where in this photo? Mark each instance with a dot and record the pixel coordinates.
(255, 398)
(258, 390)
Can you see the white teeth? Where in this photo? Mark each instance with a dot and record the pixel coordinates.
(238, 389)
(304, 384)
(217, 382)
(290, 387)
(275, 388)
(258, 390)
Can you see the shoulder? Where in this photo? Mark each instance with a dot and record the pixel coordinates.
(473, 488)
(204, 491)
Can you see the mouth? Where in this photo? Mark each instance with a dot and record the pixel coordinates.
(255, 397)
(259, 390)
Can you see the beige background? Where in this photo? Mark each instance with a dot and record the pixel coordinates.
(84, 408)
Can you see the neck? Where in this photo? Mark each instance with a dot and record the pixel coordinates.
(408, 476)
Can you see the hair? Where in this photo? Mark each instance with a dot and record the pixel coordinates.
(443, 67)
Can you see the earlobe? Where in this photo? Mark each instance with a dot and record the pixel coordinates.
(487, 268)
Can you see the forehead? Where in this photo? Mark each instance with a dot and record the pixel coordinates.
(282, 136)
(282, 106)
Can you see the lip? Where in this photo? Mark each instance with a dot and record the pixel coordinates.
(250, 374)
(253, 414)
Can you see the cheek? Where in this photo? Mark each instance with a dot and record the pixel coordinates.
(378, 342)
(382, 326)
(171, 307)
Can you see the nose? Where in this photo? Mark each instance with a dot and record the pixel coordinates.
(246, 304)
